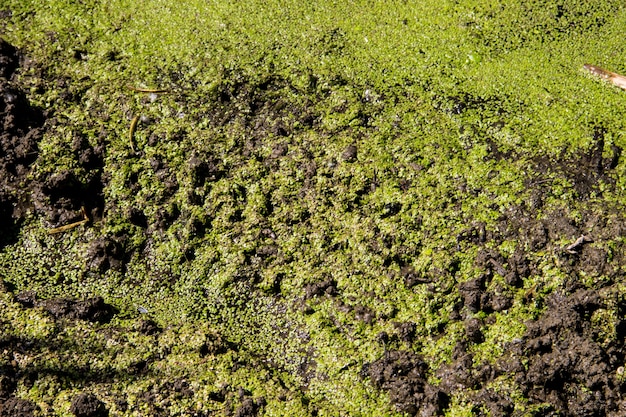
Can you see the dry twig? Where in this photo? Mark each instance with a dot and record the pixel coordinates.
(573, 248)
(67, 227)
(131, 132)
(148, 90)
(616, 79)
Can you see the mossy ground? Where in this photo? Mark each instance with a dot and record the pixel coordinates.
(317, 178)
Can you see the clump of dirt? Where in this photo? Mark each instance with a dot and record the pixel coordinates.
(350, 153)
(403, 375)
(93, 309)
(238, 402)
(17, 407)
(319, 289)
(248, 405)
(204, 168)
(61, 196)
(149, 328)
(106, 253)
(561, 362)
(88, 405)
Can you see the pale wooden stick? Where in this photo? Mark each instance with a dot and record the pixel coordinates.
(616, 79)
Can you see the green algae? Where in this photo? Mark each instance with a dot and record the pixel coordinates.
(422, 90)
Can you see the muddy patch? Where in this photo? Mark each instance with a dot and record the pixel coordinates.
(570, 359)
(562, 365)
(249, 406)
(22, 129)
(17, 407)
(403, 375)
(88, 405)
(561, 361)
(92, 309)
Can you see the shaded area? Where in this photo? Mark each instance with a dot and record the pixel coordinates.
(21, 130)
(76, 362)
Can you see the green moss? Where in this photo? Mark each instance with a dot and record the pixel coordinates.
(449, 108)
(506, 328)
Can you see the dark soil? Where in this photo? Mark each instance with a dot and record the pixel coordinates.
(93, 309)
(559, 364)
(22, 128)
(59, 196)
(403, 375)
(16, 407)
(567, 367)
(88, 405)
(249, 407)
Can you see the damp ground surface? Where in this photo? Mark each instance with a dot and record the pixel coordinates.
(277, 209)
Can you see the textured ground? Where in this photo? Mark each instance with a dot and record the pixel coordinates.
(331, 210)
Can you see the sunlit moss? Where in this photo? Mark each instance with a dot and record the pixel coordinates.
(426, 91)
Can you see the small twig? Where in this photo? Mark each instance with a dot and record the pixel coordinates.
(62, 229)
(616, 79)
(131, 132)
(498, 267)
(577, 244)
(541, 181)
(148, 90)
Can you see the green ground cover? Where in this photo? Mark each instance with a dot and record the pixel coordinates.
(450, 106)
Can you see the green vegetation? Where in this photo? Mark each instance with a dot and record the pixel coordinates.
(272, 94)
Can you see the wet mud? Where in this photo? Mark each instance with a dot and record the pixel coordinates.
(404, 376)
(94, 309)
(88, 405)
(22, 128)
